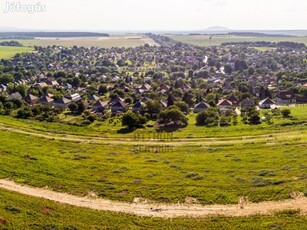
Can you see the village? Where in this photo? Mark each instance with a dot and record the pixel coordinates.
(150, 79)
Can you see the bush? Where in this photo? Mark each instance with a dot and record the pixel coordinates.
(209, 117)
(133, 120)
(285, 113)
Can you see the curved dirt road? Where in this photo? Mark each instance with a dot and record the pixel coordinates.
(159, 210)
(274, 138)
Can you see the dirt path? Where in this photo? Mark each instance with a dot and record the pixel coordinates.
(272, 139)
(159, 210)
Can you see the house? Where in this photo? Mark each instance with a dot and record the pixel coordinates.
(118, 107)
(93, 98)
(31, 99)
(225, 104)
(248, 103)
(202, 106)
(40, 85)
(67, 86)
(52, 83)
(45, 100)
(137, 107)
(15, 96)
(2, 88)
(117, 99)
(49, 95)
(62, 103)
(99, 106)
(74, 97)
(286, 97)
(144, 99)
(266, 103)
(163, 105)
(301, 100)
(144, 88)
(234, 100)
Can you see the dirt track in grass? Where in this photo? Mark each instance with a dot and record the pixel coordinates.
(161, 210)
(271, 139)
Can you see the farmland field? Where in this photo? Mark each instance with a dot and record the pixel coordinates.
(105, 42)
(203, 40)
(7, 52)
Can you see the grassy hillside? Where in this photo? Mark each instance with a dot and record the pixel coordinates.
(217, 170)
(203, 40)
(7, 52)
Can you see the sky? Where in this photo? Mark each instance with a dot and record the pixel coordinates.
(153, 15)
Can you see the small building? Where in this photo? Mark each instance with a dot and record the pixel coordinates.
(266, 103)
(163, 105)
(40, 85)
(99, 106)
(67, 86)
(118, 107)
(202, 106)
(15, 96)
(52, 83)
(62, 103)
(234, 100)
(137, 106)
(286, 97)
(49, 95)
(45, 100)
(93, 98)
(31, 99)
(225, 104)
(74, 97)
(2, 88)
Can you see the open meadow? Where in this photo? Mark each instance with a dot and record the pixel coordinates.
(216, 40)
(6, 52)
(212, 165)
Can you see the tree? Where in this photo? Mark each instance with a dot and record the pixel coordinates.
(170, 100)
(76, 82)
(228, 69)
(188, 98)
(253, 117)
(209, 117)
(173, 117)
(153, 107)
(285, 113)
(102, 90)
(1, 108)
(73, 107)
(6, 78)
(133, 120)
(182, 106)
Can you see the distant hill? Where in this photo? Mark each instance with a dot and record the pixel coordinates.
(217, 28)
(25, 35)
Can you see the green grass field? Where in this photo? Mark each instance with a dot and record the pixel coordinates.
(7, 52)
(235, 162)
(23, 212)
(105, 42)
(203, 40)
